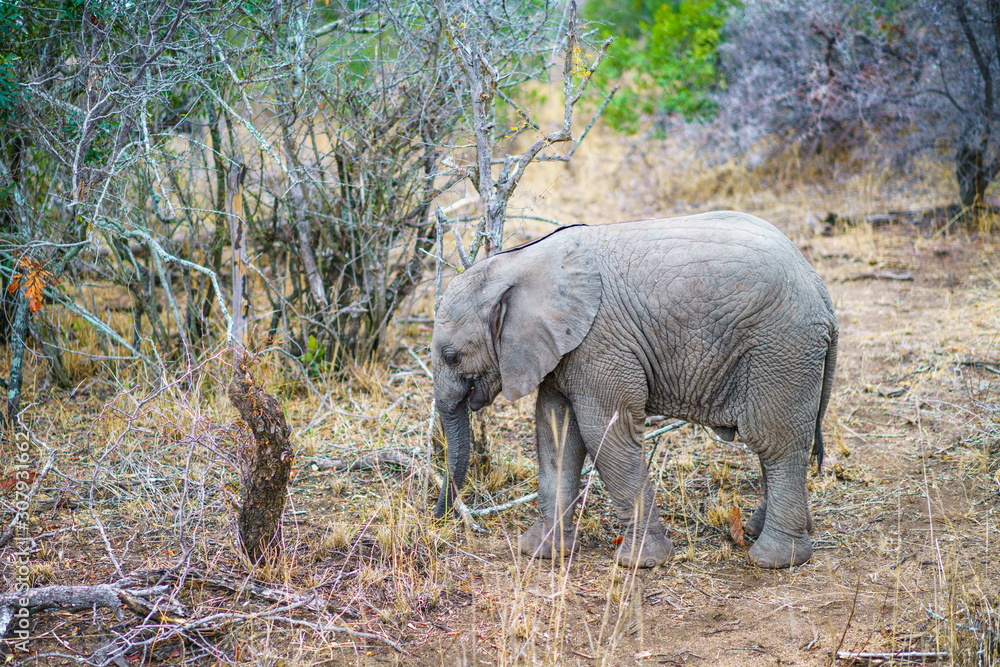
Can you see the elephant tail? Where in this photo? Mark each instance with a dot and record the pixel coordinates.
(829, 366)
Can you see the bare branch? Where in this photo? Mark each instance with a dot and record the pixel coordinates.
(8, 533)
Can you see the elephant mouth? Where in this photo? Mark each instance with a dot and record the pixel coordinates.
(475, 397)
(475, 401)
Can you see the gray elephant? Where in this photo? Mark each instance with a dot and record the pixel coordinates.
(715, 318)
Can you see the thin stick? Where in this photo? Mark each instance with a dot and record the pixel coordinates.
(420, 361)
(660, 431)
(461, 249)
(666, 429)
(8, 534)
(847, 626)
(342, 630)
(496, 509)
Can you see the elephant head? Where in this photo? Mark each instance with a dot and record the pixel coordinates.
(503, 325)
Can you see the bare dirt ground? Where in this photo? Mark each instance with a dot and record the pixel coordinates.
(906, 505)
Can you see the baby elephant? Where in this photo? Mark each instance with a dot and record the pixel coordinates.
(713, 318)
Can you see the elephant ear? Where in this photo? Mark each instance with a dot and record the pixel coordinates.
(545, 313)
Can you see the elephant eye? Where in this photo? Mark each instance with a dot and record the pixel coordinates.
(450, 358)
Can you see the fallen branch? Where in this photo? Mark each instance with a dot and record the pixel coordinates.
(496, 509)
(909, 656)
(84, 598)
(939, 216)
(371, 461)
(664, 429)
(486, 511)
(413, 461)
(986, 366)
(878, 275)
(161, 619)
(326, 627)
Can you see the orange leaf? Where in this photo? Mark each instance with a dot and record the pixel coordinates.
(34, 289)
(34, 279)
(618, 540)
(736, 525)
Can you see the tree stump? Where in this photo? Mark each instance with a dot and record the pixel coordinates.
(266, 468)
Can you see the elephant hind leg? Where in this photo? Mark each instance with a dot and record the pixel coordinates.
(755, 524)
(778, 424)
(783, 540)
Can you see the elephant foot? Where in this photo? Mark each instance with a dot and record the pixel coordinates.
(755, 524)
(649, 550)
(771, 553)
(540, 540)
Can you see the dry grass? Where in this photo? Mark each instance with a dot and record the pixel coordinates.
(906, 507)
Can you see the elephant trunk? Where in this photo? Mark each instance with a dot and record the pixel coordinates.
(456, 432)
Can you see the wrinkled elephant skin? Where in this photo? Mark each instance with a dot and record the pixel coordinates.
(715, 318)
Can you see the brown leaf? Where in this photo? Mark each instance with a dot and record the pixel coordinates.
(736, 525)
(34, 290)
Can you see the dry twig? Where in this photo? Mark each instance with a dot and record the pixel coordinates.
(8, 533)
(918, 657)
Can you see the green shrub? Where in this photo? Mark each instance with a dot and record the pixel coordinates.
(665, 56)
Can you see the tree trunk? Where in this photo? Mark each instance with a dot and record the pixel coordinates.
(973, 178)
(19, 332)
(266, 468)
(268, 461)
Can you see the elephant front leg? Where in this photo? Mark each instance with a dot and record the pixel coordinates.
(561, 454)
(645, 543)
(783, 540)
(618, 455)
